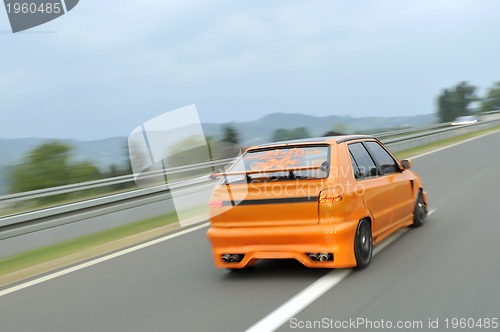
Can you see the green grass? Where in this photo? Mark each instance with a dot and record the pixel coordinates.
(442, 143)
(51, 252)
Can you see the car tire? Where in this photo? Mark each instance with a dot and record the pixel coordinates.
(420, 211)
(363, 244)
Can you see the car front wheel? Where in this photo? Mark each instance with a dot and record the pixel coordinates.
(420, 212)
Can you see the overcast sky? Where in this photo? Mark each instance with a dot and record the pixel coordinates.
(108, 66)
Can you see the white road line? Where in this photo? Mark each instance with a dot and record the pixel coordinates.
(99, 260)
(300, 301)
(303, 299)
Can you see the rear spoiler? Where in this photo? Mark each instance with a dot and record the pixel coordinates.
(269, 170)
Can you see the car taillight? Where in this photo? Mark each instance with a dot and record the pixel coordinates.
(215, 204)
(329, 198)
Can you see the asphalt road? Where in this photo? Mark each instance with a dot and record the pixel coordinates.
(449, 268)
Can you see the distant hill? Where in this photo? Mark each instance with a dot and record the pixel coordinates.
(106, 152)
(261, 130)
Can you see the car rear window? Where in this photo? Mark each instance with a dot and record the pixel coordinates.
(285, 160)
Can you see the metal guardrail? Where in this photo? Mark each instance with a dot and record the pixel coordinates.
(66, 208)
(408, 142)
(23, 223)
(411, 130)
(107, 182)
(34, 221)
(439, 129)
(483, 117)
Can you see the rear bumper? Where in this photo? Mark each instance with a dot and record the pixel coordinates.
(285, 243)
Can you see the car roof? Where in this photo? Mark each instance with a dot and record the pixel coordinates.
(327, 139)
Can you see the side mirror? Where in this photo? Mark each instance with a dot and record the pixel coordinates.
(406, 163)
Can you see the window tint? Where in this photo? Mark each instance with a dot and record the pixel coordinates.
(283, 159)
(363, 160)
(384, 159)
(355, 168)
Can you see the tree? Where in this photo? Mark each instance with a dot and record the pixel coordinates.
(221, 149)
(44, 167)
(464, 95)
(188, 143)
(280, 134)
(340, 128)
(446, 110)
(337, 130)
(286, 135)
(299, 133)
(49, 165)
(231, 135)
(454, 102)
(492, 100)
(332, 133)
(190, 150)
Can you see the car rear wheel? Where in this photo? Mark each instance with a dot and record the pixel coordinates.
(363, 244)
(420, 212)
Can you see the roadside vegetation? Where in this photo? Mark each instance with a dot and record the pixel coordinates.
(53, 164)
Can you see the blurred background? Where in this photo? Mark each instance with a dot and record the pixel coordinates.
(73, 89)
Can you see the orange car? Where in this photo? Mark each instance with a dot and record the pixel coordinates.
(324, 202)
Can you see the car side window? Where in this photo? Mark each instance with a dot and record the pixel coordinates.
(365, 164)
(387, 164)
(355, 168)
